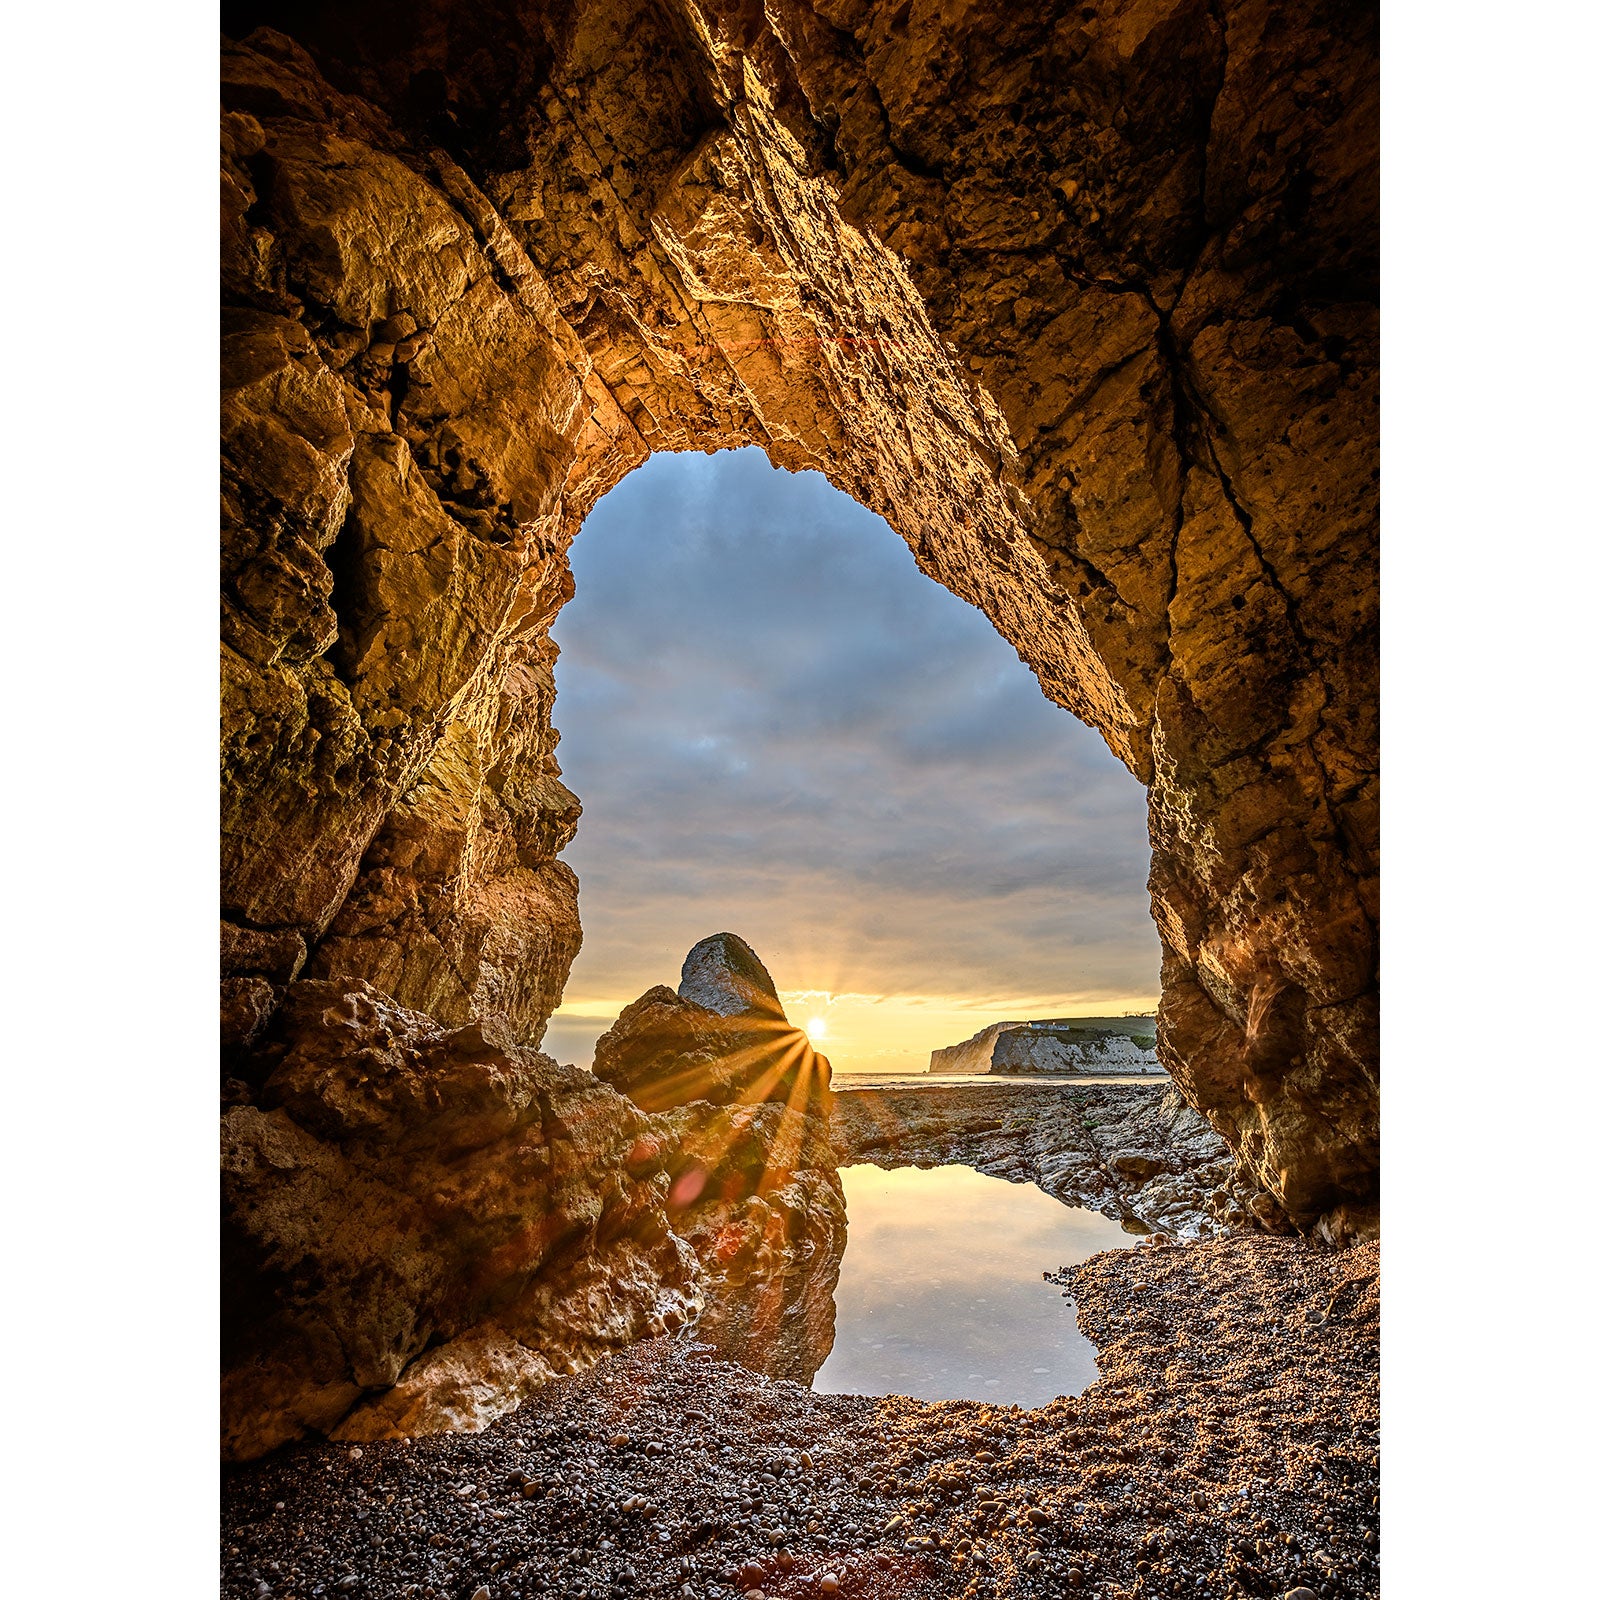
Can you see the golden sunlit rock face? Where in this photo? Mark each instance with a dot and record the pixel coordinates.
(1080, 299)
(421, 1226)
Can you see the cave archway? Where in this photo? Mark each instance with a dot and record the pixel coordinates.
(778, 725)
(1082, 304)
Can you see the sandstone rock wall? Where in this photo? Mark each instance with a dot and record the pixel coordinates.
(1081, 299)
(422, 1226)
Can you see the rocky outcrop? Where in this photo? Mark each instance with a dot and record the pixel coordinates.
(723, 1037)
(723, 975)
(1080, 299)
(1134, 1152)
(971, 1055)
(422, 1225)
(764, 1213)
(755, 1191)
(1079, 1045)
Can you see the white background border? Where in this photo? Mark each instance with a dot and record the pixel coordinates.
(1491, 434)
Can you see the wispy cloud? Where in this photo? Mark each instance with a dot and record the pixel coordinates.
(779, 726)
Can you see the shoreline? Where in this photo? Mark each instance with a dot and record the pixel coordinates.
(1228, 1448)
(1132, 1151)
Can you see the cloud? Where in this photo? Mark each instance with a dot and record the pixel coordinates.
(778, 725)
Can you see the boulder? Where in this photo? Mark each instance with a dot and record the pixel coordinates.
(422, 1223)
(395, 1186)
(1139, 1164)
(723, 974)
(722, 1038)
(754, 1182)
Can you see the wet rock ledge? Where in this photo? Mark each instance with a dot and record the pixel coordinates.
(1229, 1449)
(1134, 1151)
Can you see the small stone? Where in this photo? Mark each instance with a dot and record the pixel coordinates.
(355, 1453)
(828, 1583)
(347, 1583)
(1301, 1593)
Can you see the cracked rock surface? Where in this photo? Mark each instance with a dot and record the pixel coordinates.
(745, 1104)
(422, 1225)
(722, 1037)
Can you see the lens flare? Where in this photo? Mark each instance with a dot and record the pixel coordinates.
(817, 1028)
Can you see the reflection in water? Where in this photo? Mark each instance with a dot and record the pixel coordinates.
(941, 1294)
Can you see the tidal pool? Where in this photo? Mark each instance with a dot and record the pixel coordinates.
(941, 1294)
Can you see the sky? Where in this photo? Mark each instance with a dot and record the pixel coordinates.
(780, 728)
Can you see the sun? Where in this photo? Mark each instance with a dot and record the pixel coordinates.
(817, 1028)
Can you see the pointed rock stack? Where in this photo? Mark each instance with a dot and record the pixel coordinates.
(723, 1038)
(755, 1186)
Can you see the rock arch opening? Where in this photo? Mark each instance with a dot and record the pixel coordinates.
(1093, 327)
(778, 725)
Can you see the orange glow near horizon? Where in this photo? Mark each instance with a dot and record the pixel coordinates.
(889, 1032)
